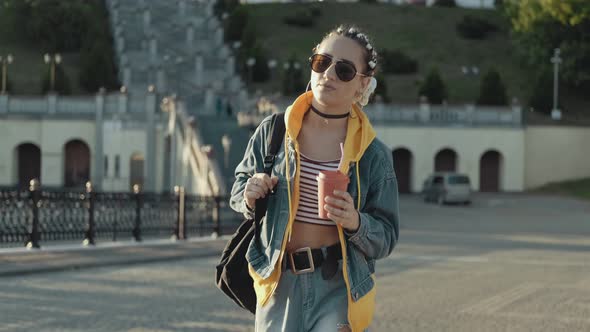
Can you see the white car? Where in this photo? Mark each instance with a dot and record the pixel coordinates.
(447, 187)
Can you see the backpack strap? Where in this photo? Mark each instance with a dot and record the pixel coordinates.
(274, 139)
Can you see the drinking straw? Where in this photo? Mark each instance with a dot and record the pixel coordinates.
(341, 155)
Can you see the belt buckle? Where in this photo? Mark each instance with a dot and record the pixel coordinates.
(310, 258)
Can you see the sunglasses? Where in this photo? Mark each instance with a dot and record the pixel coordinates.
(345, 70)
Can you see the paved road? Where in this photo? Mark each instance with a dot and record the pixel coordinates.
(506, 263)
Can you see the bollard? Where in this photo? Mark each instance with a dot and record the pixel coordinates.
(183, 232)
(137, 228)
(90, 228)
(35, 196)
(180, 225)
(216, 218)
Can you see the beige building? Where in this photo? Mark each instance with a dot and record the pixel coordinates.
(114, 140)
(490, 145)
(117, 141)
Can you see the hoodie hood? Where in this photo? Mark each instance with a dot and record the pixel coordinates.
(359, 135)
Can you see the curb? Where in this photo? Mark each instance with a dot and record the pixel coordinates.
(21, 262)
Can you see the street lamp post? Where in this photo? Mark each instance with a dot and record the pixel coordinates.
(250, 63)
(556, 60)
(6, 60)
(272, 63)
(226, 143)
(52, 61)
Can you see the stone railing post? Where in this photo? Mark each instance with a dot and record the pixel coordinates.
(190, 35)
(199, 70)
(424, 110)
(123, 100)
(147, 18)
(51, 102)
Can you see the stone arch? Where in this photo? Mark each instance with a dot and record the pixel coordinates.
(490, 171)
(402, 164)
(445, 160)
(28, 163)
(76, 163)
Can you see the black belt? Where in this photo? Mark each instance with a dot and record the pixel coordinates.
(306, 260)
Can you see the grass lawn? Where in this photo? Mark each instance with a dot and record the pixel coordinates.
(26, 71)
(577, 188)
(426, 34)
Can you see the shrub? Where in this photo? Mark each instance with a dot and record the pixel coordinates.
(492, 91)
(541, 99)
(249, 37)
(433, 88)
(445, 3)
(225, 6)
(97, 68)
(236, 24)
(397, 62)
(472, 27)
(9, 86)
(62, 82)
(315, 11)
(303, 18)
(260, 70)
(293, 81)
(381, 90)
(55, 25)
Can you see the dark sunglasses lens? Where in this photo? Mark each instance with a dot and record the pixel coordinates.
(345, 71)
(320, 63)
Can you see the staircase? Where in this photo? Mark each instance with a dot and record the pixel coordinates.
(177, 46)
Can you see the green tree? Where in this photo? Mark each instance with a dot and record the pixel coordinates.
(539, 26)
(492, 91)
(62, 82)
(526, 14)
(433, 88)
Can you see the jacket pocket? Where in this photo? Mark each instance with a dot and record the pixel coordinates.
(359, 273)
(362, 288)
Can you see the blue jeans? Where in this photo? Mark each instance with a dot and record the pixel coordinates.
(305, 303)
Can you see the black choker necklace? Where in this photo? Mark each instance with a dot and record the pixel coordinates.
(329, 116)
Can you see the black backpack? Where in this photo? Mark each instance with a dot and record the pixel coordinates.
(232, 275)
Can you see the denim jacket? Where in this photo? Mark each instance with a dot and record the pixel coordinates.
(373, 186)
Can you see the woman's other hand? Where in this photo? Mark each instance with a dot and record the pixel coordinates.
(257, 187)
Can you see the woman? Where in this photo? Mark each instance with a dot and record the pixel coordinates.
(313, 274)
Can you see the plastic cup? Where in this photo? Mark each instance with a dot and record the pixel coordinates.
(328, 181)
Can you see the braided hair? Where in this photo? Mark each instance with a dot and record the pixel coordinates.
(354, 33)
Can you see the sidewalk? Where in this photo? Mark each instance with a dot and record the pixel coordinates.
(21, 261)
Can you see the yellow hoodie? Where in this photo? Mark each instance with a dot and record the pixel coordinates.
(359, 135)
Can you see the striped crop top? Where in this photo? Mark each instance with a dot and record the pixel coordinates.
(307, 210)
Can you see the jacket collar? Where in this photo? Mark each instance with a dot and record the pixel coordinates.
(359, 134)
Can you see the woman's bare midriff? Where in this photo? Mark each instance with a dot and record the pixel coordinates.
(319, 144)
(313, 236)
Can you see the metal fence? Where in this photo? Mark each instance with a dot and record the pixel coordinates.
(34, 216)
